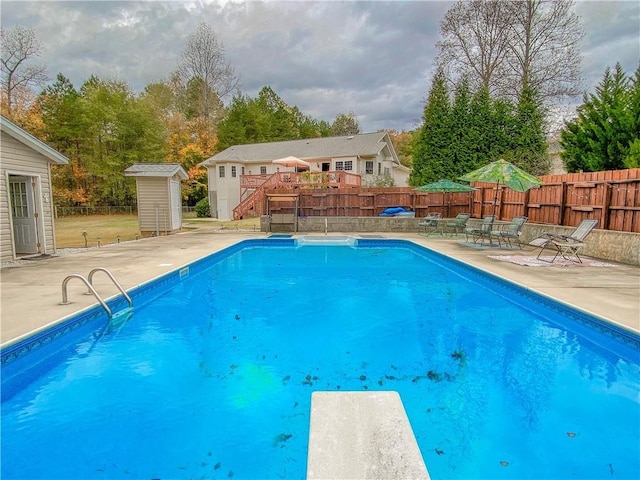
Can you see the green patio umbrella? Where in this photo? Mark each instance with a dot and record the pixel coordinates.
(502, 172)
(445, 186)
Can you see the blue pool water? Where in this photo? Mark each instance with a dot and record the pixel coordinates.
(212, 375)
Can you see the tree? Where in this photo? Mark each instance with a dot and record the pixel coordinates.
(266, 118)
(403, 145)
(504, 46)
(203, 59)
(543, 50)
(606, 129)
(529, 142)
(345, 125)
(462, 151)
(431, 152)
(19, 46)
(475, 41)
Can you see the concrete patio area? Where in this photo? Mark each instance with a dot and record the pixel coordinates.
(31, 290)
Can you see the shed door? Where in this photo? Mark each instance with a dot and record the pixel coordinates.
(176, 206)
(23, 216)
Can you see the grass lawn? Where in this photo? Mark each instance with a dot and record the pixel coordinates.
(107, 228)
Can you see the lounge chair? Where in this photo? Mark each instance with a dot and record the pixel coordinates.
(509, 232)
(481, 232)
(567, 246)
(430, 223)
(458, 224)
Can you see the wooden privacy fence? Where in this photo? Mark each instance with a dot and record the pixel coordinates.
(613, 197)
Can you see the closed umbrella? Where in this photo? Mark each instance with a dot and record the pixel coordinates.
(502, 172)
(445, 186)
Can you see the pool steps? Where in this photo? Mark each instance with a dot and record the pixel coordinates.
(326, 240)
(362, 435)
(92, 291)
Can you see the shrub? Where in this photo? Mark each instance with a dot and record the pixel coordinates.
(202, 208)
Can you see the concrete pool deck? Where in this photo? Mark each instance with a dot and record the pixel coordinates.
(31, 290)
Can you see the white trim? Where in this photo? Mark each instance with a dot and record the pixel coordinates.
(30, 141)
(38, 207)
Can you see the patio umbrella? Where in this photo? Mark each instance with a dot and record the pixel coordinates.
(294, 162)
(445, 186)
(502, 172)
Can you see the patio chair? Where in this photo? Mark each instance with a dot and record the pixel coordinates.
(430, 223)
(481, 232)
(510, 232)
(566, 246)
(458, 224)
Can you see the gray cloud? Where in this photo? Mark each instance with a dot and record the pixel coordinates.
(372, 58)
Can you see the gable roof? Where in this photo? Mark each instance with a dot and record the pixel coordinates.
(32, 142)
(367, 144)
(156, 170)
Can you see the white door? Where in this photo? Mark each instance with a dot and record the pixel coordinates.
(23, 217)
(223, 206)
(176, 205)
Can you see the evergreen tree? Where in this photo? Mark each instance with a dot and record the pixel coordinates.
(482, 130)
(529, 144)
(633, 158)
(345, 125)
(462, 160)
(600, 138)
(266, 118)
(432, 151)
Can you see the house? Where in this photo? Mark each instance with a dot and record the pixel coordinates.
(370, 157)
(159, 196)
(26, 203)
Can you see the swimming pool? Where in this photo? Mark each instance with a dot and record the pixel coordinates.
(212, 375)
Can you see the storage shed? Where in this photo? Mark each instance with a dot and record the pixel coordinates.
(26, 204)
(159, 196)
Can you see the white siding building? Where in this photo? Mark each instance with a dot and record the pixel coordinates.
(370, 155)
(159, 196)
(26, 200)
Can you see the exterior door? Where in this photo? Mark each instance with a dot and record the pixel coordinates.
(176, 205)
(223, 207)
(25, 236)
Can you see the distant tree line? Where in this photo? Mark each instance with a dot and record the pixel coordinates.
(500, 65)
(103, 127)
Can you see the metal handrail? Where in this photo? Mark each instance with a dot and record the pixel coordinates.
(65, 299)
(113, 279)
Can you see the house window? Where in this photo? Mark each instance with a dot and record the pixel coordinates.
(379, 169)
(263, 170)
(387, 172)
(221, 171)
(241, 170)
(233, 171)
(368, 167)
(348, 165)
(339, 165)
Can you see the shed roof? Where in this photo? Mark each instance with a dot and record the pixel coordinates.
(156, 170)
(32, 142)
(367, 144)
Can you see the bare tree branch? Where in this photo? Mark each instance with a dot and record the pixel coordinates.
(505, 45)
(18, 47)
(204, 60)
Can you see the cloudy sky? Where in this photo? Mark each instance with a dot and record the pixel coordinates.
(329, 57)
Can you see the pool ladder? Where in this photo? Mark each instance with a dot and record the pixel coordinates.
(92, 291)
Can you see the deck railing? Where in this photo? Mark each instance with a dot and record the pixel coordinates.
(252, 187)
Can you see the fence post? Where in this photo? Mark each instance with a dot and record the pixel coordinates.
(563, 201)
(606, 203)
